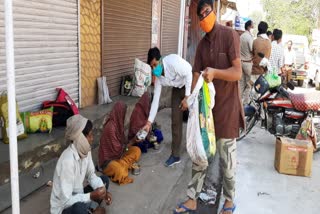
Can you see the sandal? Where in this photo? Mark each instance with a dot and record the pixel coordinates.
(232, 209)
(186, 210)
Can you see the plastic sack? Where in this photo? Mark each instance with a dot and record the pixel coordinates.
(142, 78)
(201, 141)
(103, 91)
(4, 117)
(273, 78)
(40, 121)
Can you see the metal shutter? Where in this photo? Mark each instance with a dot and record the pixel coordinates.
(170, 26)
(46, 50)
(126, 36)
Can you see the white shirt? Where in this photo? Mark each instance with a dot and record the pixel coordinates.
(277, 56)
(289, 57)
(177, 73)
(264, 36)
(69, 175)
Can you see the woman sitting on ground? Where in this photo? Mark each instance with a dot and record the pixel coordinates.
(116, 153)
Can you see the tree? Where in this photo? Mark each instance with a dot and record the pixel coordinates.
(292, 16)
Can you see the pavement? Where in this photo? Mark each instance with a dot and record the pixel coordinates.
(260, 189)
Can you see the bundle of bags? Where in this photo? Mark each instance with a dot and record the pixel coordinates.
(53, 114)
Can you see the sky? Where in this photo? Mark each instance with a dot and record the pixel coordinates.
(246, 7)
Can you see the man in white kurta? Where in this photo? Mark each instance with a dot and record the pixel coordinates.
(174, 71)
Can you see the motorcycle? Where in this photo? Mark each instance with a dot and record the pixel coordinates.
(280, 111)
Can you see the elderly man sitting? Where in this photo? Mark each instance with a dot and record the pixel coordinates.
(73, 168)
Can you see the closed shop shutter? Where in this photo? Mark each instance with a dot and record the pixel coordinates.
(170, 26)
(46, 50)
(126, 36)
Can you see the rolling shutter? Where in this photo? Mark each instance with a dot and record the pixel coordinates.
(170, 26)
(126, 36)
(46, 50)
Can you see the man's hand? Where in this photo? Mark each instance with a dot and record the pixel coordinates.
(147, 127)
(184, 105)
(208, 74)
(98, 194)
(108, 198)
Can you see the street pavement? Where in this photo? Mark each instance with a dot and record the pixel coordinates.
(260, 189)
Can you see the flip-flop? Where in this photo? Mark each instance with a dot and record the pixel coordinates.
(186, 210)
(232, 209)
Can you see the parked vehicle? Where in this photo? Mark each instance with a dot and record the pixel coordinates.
(283, 111)
(301, 47)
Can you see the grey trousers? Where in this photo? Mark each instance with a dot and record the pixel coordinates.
(245, 81)
(226, 149)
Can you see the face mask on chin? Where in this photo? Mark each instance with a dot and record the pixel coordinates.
(207, 23)
(251, 31)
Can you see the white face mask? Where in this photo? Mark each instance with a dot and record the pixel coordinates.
(251, 30)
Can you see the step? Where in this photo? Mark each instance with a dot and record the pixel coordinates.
(39, 152)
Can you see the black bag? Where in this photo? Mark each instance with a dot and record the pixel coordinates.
(61, 112)
(126, 85)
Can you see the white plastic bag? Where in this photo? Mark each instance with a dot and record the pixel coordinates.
(142, 78)
(195, 147)
(103, 91)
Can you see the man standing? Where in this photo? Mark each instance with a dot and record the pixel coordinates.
(270, 35)
(261, 44)
(176, 72)
(218, 56)
(277, 55)
(246, 41)
(289, 60)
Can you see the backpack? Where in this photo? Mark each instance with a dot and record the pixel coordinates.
(63, 108)
(61, 112)
(64, 97)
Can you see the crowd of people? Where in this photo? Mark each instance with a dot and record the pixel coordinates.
(268, 43)
(223, 58)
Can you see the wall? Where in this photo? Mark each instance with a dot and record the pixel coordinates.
(90, 11)
(156, 23)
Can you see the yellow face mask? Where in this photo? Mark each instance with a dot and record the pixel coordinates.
(208, 22)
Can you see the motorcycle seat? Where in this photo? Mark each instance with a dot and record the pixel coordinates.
(306, 101)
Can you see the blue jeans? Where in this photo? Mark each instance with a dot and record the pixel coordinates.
(81, 207)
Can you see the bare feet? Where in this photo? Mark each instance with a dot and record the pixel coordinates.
(227, 204)
(190, 204)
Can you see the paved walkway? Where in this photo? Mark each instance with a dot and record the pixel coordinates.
(157, 189)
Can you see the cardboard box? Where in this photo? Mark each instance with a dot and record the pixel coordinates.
(293, 157)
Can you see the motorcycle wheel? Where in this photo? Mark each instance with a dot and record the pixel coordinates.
(250, 122)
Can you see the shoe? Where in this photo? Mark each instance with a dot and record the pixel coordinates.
(172, 161)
